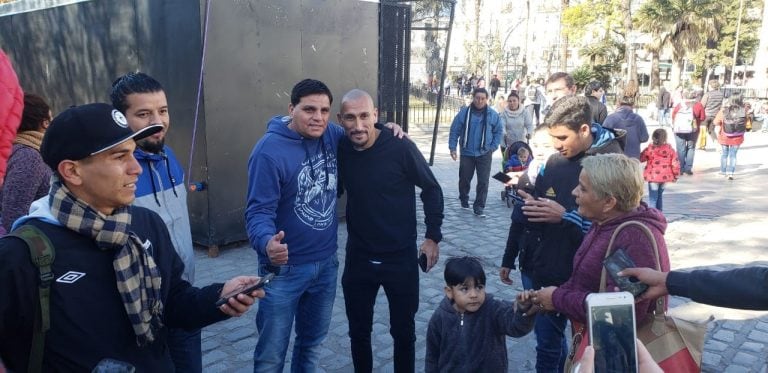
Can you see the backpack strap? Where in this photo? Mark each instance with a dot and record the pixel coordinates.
(42, 254)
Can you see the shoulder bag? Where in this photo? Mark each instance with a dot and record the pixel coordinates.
(675, 344)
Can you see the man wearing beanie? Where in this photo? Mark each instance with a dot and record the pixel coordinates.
(116, 283)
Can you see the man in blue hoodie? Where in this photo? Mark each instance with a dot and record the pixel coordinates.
(479, 130)
(160, 188)
(291, 222)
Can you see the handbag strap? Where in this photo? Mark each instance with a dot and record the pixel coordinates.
(661, 301)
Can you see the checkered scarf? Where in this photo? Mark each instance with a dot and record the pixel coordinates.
(138, 278)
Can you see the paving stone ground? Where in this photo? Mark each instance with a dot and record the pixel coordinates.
(712, 222)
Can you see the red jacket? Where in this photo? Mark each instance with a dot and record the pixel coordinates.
(11, 106)
(662, 164)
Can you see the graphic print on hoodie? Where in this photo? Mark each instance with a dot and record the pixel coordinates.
(316, 197)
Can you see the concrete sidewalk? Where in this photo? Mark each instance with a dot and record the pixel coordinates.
(713, 222)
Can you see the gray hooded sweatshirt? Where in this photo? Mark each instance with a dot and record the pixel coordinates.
(473, 342)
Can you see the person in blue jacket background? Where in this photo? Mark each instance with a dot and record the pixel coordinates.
(479, 130)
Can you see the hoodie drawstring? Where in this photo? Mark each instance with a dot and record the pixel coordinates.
(170, 175)
(152, 181)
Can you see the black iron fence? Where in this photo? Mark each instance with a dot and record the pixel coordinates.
(746, 93)
(422, 109)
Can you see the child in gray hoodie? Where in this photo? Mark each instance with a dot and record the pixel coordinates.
(467, 332)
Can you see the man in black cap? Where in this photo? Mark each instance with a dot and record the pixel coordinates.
(116, 284)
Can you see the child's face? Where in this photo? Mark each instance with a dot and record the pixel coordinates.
(522, 154)
(541, 144)
(466, 297)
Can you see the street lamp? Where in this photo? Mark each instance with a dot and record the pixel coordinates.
(488, 45)
(515, 53)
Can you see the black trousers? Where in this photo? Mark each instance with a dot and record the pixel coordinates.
(360, 282)
(467, 167)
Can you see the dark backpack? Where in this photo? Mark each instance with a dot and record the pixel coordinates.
(734, 121)
(42, 254)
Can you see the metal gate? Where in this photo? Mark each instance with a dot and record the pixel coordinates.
(394, 62)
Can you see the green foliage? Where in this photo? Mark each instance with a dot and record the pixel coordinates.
(582, 75)
(586, 73)
(749, 37)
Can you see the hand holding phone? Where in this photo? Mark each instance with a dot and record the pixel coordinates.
(615, 263)
(504, 178)
(263, 281)
(611, 322)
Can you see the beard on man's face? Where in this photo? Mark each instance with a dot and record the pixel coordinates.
(150, 146)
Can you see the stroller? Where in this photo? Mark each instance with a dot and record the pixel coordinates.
(512, 162)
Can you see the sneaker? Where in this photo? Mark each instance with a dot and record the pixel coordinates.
(688, 172)
(479, 213)
(464, 205)
(730, 176)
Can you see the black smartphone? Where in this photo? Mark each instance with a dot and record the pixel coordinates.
(423, 262)
(500, 176)
(615, 263)
(247, 290)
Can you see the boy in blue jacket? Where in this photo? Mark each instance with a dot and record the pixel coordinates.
(467, 332)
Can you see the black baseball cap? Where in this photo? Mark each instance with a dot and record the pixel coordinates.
(82, 131)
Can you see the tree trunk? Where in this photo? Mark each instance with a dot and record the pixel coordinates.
(761, 55)
(478, 6)
(563, 37)
(626, 6)
(526, 57)
(655, 78)
(677, 71)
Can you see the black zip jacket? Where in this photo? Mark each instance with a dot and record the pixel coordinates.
(88, 319)
(546, 250)
(473, 342)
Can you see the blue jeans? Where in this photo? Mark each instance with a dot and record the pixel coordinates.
(655, 191)
(304, 292)
(685, 152)
(728, 159)
(184, 346)
(551, 347)
(663, 117)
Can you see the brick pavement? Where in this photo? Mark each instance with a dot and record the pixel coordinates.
(712, 222)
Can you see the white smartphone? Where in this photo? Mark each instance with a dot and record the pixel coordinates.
(611, 322)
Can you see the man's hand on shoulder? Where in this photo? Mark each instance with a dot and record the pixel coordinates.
(432, 251)
(397, 130)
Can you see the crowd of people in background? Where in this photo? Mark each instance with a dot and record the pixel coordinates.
(98, 182)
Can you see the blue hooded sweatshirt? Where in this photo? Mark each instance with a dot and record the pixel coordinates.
(160, 188)
(292, 188)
